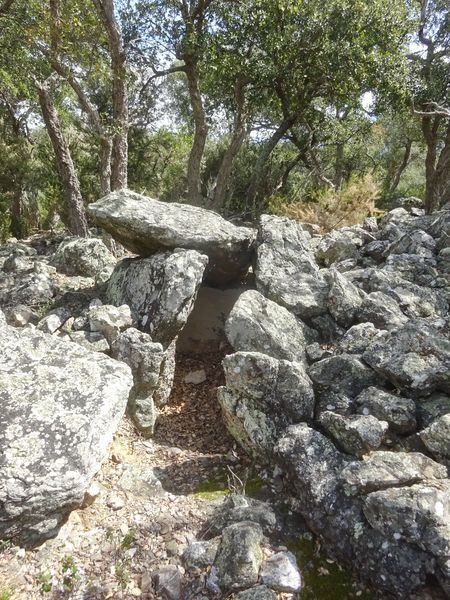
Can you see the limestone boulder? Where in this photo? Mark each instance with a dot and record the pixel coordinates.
(87, 257)
(262, 396)
(160, 290)
(257, 324)
(60, 406)
(286, 270)
(146, 226)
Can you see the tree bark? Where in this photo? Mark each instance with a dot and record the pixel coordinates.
(258, 172)
(119, 176)
(339, 166)
(194, 193)
(237, 139)
(402, 166)
(71, 186)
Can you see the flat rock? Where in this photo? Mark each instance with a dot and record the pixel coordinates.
(382, 469)
(281, 573)
(146, 226)
(259, 592)
(61, 405)
(257, 324)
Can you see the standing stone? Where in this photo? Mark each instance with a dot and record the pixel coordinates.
(160, 290)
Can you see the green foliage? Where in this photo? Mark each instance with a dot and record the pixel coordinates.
(44, 581)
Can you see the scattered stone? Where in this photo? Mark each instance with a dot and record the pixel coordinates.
(54, 320)
(399, 412)
(196, 377)
(237, 508)
(19, 316)
(168, 582)
(239, 556)
(381, 310)
(357, 338)
(355, 434)
(344, 299)
(344, 374)
(280, 572)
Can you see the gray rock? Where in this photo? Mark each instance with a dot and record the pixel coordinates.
(281, 573)
(259, 592)
(343, 374)
(110, 320)
(195, 377)
(163, 390)
(344, 299)
(146, 226)
(375, 250)
(381, 310)
(30, 289)
(168, 581)
(200, 555)
(21, 315)
(381, 470)
(239, 556)
(436, 437)
(415, 357)
(312, 465)
(160, 290)
(355, 434)
(262, 396)
(336, 246)
(418, 514)
(17, 263)
(83, 256)
(315, 352)
(257, 324)
(286, 271)
(431, 408)
(236, 508)
(140, 480)
(91, 340)
(399, 412)
(416, 242)
(54, 320)
(145, 357)
(60, 407)
(358, 337)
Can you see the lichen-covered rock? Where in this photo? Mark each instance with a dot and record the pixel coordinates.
(200, 555)
(239, 556)
(257, 324)
(344, 299)
(418, 514)
(29, 289)
(286, 271)
(399, 412)
(262, 396)
(83, 256)
(415, 242)
(382, 469)
(336, 246)
(54, 320)
(146, 226)
(259, 592)
(415, 357)
(109, 320)
(431, 408)
(160, 290)
(381, 310)
(60, 406)
(91, 340)
(357, 338)
(145, 357)
(344, 374)
(313, 465)
(236, 508)
(281, 573)
(355, 434)
(436, 437)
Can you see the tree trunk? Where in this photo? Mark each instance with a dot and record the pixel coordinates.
(237, 139)
(194, 194)
(105, 165)
(430, 128)
(402, 166)
(258, 172)
(119, 177)
(442, 173)
(339, 166)
(71, 186)
(16, 212)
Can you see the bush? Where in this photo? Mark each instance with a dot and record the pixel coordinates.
(350, 205)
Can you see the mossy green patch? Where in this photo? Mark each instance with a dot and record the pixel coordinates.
(211, 489)
(324, 579)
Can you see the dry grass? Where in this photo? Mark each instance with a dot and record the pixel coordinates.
(349, 206)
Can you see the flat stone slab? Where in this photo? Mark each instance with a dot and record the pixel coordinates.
(60, 405)
(145, 226)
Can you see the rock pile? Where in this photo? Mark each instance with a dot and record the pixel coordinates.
(341, 375)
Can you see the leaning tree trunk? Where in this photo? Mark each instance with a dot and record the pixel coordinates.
(119, 176)
(258, 172)
(400, 169)
(194, 193)
(71, 186)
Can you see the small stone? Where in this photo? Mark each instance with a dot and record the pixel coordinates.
(280, 573)
(115, 501)
(195, 377)
(168, 582)
(91, 494)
